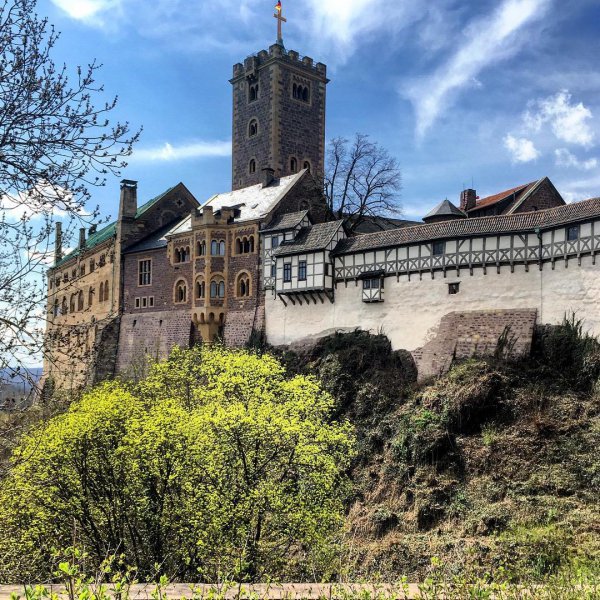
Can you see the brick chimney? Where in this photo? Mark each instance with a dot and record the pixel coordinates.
(468, 200)
(128, 203)
(82, 238)
(58, 253)
(268, 176)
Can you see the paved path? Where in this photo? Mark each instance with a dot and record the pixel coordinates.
(251, 592)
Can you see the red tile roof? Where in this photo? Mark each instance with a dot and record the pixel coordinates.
(490, 200)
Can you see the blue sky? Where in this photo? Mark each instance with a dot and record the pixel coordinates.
(497, 93)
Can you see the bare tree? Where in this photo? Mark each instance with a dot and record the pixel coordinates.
(362, 179)
(56, 144)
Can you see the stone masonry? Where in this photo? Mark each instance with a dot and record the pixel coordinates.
(464, 335)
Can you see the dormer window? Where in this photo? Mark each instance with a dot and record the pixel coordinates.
(253, 128)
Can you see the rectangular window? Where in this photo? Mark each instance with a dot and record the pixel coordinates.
(302, 270)
(287, 272)
(439, 248)
(151, 302)
(137, 302)
(274, 270)
(573, 233)
(372, 284)
(453, 288)
(275, 242)
(145, 272)
(144, 302)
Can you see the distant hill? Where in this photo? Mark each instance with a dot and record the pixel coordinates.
(16, 387)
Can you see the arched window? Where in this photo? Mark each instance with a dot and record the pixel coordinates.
(253, 93)
(252, 243)
(201, 248)
(253, 128)
(217, 288)
(214, 248)
(90, 296)
(101, 299)
(200, 289)
(246, 246)
(307, 165)
(222, 248)
(180, 292)
(305, 94)
(252, 167)
(56, 309)
(243, 289)
(64, 305)
(80, 301)
(239, 247)
(106, 291)
(72, 303)
(294, 165)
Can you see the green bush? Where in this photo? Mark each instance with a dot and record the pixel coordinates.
(215, 466)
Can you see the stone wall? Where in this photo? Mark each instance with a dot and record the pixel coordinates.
(287, 127)
(153, 334)
(546, 196)
(479, 333)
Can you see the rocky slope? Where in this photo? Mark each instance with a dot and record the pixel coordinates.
(495, 465)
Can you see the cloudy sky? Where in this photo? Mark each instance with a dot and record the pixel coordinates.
(493, 93)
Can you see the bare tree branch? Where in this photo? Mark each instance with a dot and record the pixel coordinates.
(57, 143)
(362, 180)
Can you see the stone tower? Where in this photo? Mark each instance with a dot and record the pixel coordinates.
(278, 115)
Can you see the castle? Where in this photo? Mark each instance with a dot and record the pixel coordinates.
(269, 258)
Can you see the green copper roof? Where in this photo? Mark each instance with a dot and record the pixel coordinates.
(110, 230)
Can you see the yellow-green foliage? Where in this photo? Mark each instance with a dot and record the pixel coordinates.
(215, 466)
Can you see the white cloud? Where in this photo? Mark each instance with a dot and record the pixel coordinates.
(522, 150)
(168, 152)
(569, 122)
(342, 23)
(87, 10)
(488, 41)
(564, 158)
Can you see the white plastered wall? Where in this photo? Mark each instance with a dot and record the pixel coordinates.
(412, 310)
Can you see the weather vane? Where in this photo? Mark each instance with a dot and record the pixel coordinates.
(280, 19)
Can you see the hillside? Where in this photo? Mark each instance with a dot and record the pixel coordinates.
(494, 465)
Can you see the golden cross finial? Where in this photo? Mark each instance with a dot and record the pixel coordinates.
(280, 19)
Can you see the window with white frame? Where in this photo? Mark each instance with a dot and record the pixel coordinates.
(302, 270)
(145, 272)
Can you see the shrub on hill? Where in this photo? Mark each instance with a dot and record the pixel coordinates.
(215, 466)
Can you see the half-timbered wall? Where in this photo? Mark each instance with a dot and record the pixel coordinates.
(482, 273)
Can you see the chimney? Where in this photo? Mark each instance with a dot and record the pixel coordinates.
(58, 254)
(82, 238)
(268, 176)
(128, 204)
(468, 200)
